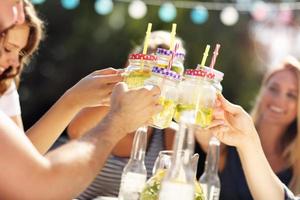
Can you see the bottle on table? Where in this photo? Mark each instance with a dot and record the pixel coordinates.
(209, 180)
(134, 173)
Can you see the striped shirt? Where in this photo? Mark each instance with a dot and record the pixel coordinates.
(107, 182)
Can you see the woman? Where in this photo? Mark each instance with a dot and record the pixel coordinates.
(275, 116)
(233, 126)
(107, 182)
(18, 45)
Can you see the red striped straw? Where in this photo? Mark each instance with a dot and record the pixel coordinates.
(173, 56)
(215, 55)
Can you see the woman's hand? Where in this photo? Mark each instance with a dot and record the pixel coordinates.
(232, 124)
(95, 89)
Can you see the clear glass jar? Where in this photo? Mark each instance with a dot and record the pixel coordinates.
(188, 98)
(164, 56)
(218, 77)
(168, 82)
(139, 69)
(196, 97)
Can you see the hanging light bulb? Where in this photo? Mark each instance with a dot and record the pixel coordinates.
(199, 15)
(35, 2)
(137, 9)
(260, 11)
(167, 12)
(104, 7)
(229, 16)
(70, 4)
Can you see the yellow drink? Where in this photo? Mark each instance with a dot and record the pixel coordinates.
(164, 118)
(136, 78)
(180, 108)
(177, 69)
(152, 188)
(204, 116)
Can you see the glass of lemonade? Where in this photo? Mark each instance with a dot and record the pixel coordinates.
(139, 69)
(217, 78)
(164, 56)
(197, 97)
(167, 81)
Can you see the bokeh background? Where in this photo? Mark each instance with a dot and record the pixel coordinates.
(80, 38)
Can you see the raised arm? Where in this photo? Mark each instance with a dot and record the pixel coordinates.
(93, 90)
(66, 171)
(87, 118)
(234, 127)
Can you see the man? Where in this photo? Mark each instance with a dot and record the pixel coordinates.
(66, 171)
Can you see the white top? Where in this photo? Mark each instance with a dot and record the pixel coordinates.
(9, 101)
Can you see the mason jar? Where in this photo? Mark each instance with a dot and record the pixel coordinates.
(139, 69)
(197, 96)
(218, 77)
(164, 56)
(167, 81)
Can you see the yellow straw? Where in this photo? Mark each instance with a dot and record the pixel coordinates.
(173, 33)
(146, 42)
(147, 38)
(205, 54)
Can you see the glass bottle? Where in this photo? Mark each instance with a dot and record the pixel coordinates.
(209, 180)
(134, 173)
(178, 183)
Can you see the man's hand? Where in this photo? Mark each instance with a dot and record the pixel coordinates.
(133, 108)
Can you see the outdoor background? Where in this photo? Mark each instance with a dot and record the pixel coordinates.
(80, 40)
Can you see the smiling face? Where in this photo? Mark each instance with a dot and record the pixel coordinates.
(14, 42)
(279, 98)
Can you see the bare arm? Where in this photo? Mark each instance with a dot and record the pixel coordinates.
(45, 131)
(85, 120)
(89, 117)
(259, 174)
(62, 174)
(18, 120)
(89, 91)
(65, 172)
(234, 127)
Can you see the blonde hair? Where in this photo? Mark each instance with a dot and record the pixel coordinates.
(36, 34)
(290, 142)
